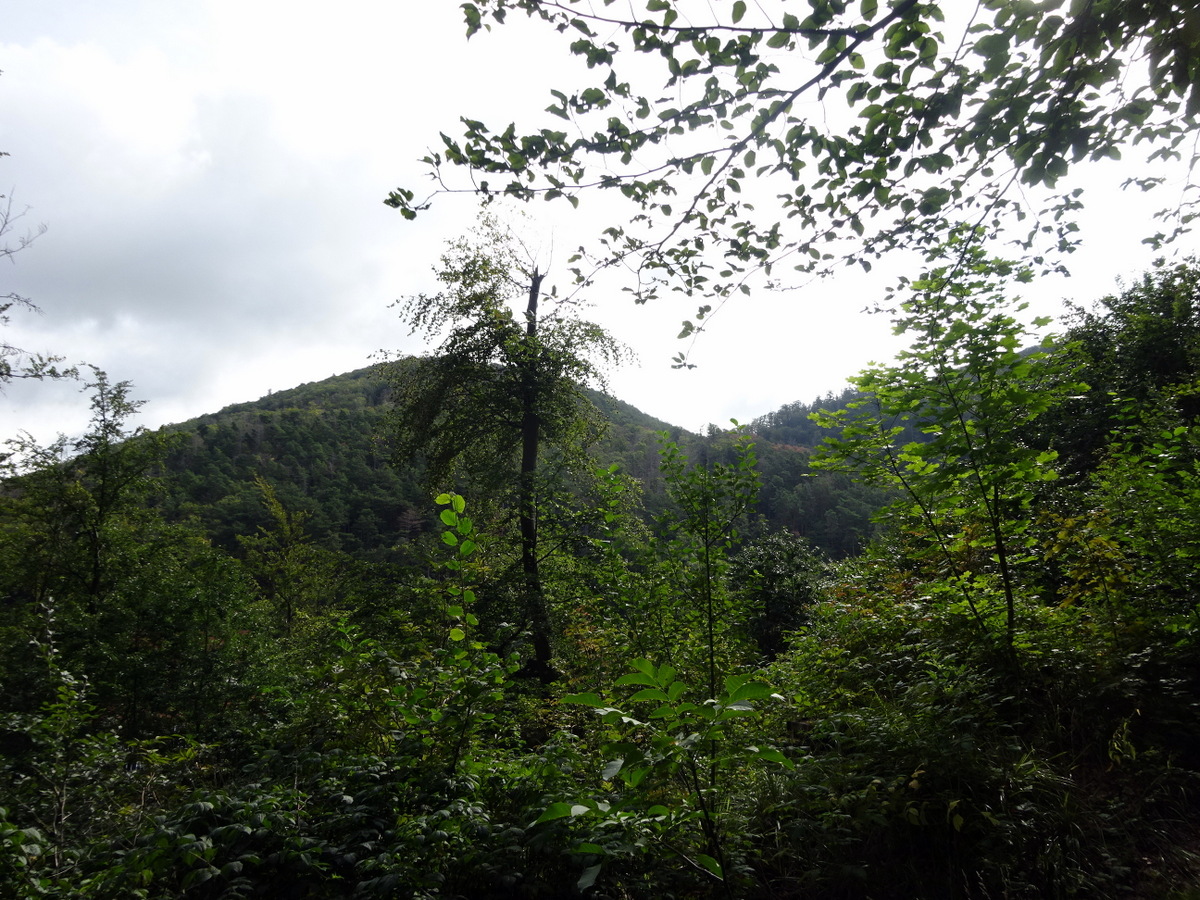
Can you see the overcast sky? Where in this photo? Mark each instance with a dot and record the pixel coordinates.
(211, 174)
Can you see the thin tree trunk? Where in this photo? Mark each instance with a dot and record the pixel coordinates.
(539, 617)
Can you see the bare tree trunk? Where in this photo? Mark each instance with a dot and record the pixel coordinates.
(535, 602)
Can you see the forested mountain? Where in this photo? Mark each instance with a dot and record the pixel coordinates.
(323, 447)
(830, 509)
(243, 657)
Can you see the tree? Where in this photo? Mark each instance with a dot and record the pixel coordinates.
(779, 573)
(148, 612)
(1140, 346)
(1147, 337)
(499, 392)
(1132, 443)
(970, 384)
(876, 125)
(712, 500)
(294, 574)
(80, 488)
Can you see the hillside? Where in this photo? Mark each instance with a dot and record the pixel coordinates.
(322, 447)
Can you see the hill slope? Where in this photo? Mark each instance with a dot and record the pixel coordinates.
(321, 447)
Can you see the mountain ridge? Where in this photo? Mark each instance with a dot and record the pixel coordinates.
(321, 446)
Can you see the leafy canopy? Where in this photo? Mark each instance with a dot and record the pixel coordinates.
(874, 125)
(462, 408)
(969, 383)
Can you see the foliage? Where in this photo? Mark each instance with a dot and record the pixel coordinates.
(323, 449)
(712, 498)
(842, 130)
(1149, 489)
(780, 577)
(678, 744)
(1140, 346)
(1146, 338)
(971, 387)
(613, 598)
(146, 611)
(912, 746)
(404, 786)
(831, 509)
(667, 591)
(73, 785)
(319, 447)
(499, 396)
(736, 715)
(462, 408)
(293, 574)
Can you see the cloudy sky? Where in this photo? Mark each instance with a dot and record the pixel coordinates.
(211, 174)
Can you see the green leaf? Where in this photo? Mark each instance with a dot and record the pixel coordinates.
(457, 634)
(636, 775)
(770, 754)
(650, 694)
(778, 40)
(711, 864)
(644, 665)
(637, 678)
(588, 878)
(751, 690)
(559, 810)
(739, 10)
(584, 699)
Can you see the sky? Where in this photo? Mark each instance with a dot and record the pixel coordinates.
(211, 175)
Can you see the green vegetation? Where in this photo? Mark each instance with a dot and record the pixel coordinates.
(499, 396)
(950, 648)
(729, 139)
(326, 452)
(247, 693)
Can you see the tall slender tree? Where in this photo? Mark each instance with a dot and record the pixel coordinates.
(501, 392)
(969, 383)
